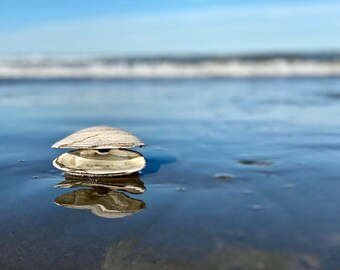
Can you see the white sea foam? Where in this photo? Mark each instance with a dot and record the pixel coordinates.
(82, 67)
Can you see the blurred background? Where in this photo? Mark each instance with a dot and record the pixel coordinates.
(115, 39)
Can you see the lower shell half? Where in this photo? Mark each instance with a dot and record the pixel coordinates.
(94, 162)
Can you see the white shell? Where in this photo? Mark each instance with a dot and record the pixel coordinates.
(109, 204)
(100, 137)
(93, 162)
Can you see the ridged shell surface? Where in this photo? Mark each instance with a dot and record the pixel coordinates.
(100, 137)
(93, 162)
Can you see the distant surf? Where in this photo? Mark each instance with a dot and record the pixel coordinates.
(104, 67)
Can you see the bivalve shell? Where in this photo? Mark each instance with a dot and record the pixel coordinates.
(94, 162)
(100, 137)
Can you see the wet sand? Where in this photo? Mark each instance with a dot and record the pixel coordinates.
(279, 139)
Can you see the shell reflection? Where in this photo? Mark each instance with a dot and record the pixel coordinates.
(103, 203)
(103, 198)
(132, 183)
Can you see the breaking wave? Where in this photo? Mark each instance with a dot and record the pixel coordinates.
(82, 67)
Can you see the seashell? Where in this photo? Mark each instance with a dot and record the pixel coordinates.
(224, 176)
(100, 137)
(132, 183)
(101, 202)
(95, 162)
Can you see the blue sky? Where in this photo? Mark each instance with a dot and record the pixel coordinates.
(133, 27)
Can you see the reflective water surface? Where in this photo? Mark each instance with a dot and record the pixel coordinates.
(102, 199)
(278, 139)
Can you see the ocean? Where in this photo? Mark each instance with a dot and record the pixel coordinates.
(242, 171)
(82, 66)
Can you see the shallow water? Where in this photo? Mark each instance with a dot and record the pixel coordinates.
(277, 138)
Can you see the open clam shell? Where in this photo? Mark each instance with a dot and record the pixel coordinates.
(101, 202)
(94, 162)
(100, 137)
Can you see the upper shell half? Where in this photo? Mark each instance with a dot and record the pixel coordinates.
(100, 137)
